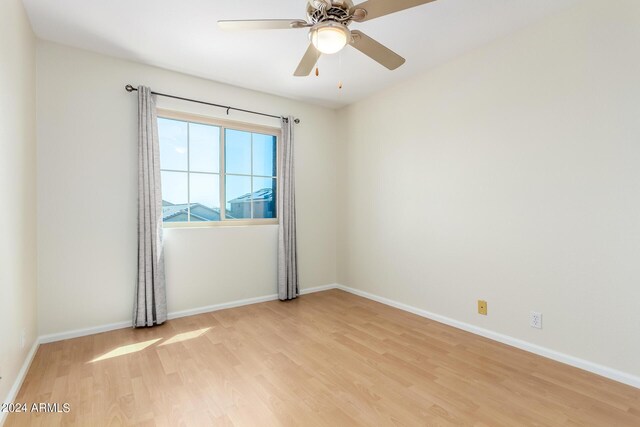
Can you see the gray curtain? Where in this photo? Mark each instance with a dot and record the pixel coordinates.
(150, 306)
(286, 196)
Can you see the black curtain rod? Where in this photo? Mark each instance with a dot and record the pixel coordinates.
(130, 88)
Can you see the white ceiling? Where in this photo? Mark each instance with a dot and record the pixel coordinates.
(183, 36)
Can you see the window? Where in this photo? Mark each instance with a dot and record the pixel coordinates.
(216, 172)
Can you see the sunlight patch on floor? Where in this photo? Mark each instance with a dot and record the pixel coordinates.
(186, 336)
(125, 349)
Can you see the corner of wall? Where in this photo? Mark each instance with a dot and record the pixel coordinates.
(341, 205)
(18, 274)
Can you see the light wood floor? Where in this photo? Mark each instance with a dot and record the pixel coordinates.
(326, 359)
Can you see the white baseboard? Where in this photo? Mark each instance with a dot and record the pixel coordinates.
(319, 289)
(13, 392)
(173, 315)
(586, 365)
(223, 306)
(45, 339)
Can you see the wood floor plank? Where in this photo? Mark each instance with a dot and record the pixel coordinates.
(325, 359)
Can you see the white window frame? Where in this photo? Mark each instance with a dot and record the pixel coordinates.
(232, 125)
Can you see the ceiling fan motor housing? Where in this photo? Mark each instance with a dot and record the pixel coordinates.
(329, 10)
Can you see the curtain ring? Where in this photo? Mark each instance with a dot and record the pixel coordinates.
(228, 108)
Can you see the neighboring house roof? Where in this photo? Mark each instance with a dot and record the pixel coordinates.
(170, 210)
(263, 194)
(178, 217)
(198, 212)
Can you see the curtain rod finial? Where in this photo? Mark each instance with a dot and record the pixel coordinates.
(297, 121)
(129, 88)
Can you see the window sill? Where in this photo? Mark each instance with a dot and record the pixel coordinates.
(215, 224)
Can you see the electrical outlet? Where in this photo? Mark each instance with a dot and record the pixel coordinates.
(482, 307)
(535, 320)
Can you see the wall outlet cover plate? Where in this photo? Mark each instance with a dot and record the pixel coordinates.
(482, 307)
(535, 320)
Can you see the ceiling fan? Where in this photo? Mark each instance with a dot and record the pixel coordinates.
(329, 32)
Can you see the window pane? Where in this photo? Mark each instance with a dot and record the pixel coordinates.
(237, 151)
(174, 197)
(172, 135)
(264, 197)
(205, 197)
(238, 193)
(204, 148)
(264, 155)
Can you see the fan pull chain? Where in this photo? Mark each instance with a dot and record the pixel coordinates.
(340, 69)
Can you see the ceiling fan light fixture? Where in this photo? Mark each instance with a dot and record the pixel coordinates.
(330, 37)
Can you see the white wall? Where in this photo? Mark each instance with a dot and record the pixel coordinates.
(17, 191)
(87, 160)
(511, 174)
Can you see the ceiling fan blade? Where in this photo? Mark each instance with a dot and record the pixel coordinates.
(309, 60)
(375, 50)
(378, 8)
(263, 24)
